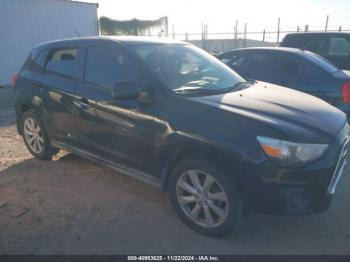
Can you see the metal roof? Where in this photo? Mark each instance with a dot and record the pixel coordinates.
(80, 2)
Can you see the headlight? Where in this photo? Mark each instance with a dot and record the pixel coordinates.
(291, 154)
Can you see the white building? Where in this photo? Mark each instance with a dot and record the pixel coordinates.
(26, 23)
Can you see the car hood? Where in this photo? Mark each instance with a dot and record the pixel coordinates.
(282, 108)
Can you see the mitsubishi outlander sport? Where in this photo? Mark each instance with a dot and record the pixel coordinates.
(172, 115)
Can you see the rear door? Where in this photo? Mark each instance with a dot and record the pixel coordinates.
(57, 83)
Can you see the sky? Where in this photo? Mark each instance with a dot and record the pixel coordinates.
(220, 15)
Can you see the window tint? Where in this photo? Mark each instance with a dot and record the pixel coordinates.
(266, 69)
(105, 66)
(339, 46)
(318, 45)
(62, 61)
(38, 64)
(280, 69)
(237, 62)
(312, 77)
(321, 62)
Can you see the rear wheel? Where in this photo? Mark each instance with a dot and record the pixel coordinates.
(205, 198)
(35, 136)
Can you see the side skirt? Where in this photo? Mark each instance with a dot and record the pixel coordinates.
(139, 175)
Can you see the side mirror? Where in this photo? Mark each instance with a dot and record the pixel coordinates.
(126, 89)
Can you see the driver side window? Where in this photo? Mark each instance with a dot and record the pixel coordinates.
(105, 66)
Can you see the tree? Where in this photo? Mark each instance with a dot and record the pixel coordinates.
(134, 26)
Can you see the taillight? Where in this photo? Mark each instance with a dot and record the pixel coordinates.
(346, 92)
(14, 79)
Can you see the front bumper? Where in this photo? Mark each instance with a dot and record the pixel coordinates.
(269, 189)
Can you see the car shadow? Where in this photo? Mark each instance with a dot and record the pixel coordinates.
(76, 206)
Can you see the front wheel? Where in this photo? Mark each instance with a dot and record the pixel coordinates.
(205, 197)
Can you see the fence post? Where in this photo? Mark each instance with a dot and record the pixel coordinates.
(278, 30)
(264, 35)
(236, 35)
(306, 28)
(326, 24)
(245, 35)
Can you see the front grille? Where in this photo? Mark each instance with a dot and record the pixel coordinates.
(342, 160)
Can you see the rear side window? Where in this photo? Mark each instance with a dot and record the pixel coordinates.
(238, 62)
(105, 66)
(62, 62)
(38, 65)
(266, 69)
(339, 46)
(280, 69)
(321, 62)
(313, 77)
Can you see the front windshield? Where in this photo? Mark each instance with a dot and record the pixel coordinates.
(185, 68)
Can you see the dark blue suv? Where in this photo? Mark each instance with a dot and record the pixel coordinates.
(172, 115)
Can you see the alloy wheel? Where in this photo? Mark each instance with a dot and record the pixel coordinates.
(202, 198)
(33, 135)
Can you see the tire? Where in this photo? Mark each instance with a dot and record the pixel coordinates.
(212, 195)
(35, 136)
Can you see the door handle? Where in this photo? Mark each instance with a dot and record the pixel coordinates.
(82, 103)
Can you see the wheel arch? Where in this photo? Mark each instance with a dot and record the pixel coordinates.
(20, 110)
(185, 148)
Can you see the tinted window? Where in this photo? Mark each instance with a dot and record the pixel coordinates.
(312, 77)
(266, 69)
(318, 45)
(239, 63)
(62, 61)
(339, 46)
(321, 62)
(38, 64)
(280, 69)
(105, 66)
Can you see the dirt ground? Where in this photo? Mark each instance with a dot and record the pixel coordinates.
(73, 206)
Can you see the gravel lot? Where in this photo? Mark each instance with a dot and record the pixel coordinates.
(73, 206)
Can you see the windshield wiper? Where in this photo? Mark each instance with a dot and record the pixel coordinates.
(201, 90)
(197, 90)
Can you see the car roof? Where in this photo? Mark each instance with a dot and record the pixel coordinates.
(318, 33)
(128, 40)
(273, 49)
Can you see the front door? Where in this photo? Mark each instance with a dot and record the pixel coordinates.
(122, 131)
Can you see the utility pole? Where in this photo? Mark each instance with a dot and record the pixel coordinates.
(278, 30)
(264, 35)
(245, 35)
(236, 35)
(326, 23)
(202, 25)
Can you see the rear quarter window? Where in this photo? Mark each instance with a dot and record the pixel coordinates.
(62, 62)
